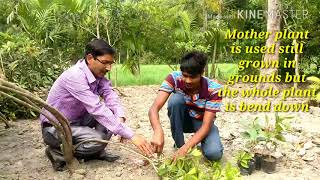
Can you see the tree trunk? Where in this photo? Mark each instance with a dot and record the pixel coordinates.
(214, 55)
(1, 74)
(97, 19)
(273, 26)
(296, 59)
(205, 27)
(4, 120)
(2, 71)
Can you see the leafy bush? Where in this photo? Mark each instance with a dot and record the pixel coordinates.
(310, 66)
(26, 63)
(315, 85)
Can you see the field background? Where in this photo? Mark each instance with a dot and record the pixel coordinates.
(155, 74)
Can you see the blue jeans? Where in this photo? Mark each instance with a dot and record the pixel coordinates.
(181, 122)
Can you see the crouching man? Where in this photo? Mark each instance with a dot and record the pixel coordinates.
(192, 107)
(85, 97)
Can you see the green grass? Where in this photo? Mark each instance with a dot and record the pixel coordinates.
(225, 70)
(149, 74)
(155, 74)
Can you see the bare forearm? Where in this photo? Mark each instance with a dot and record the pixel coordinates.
(155, 120)
(198, 136)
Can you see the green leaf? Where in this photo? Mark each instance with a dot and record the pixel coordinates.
(33, 114)
(196, 153)
(314, 79)
(180, 163)
(162, 170)
(280, 137)
(180, 173)
(244, 164)
(13, 65)
(190, 177)
(192, 171)
(318, 97)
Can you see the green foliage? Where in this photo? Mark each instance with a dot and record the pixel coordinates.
(315, 85)
(26, 63)
(192, 167)
(281, 125)
(255, 132)
(243, 158)
(310, 66)
(309, 60)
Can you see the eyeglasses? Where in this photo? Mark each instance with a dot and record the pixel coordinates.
(105, 63)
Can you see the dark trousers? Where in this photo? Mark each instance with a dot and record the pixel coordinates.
(83, 129)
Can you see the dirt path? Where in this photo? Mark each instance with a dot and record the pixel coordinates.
(22, 150)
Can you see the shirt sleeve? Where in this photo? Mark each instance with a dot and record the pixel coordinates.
(168, 84)
(214, 102)
(110, 97)
(80, 90)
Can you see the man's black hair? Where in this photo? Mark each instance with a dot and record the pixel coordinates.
(98, 47)
(193, 63)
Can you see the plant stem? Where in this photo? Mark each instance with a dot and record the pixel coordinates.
(121, 145)
(4, 120)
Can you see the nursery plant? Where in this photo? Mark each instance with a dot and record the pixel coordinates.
(194, 167)
(245, 162)
(268, 136)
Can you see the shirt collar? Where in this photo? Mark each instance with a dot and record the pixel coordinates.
(203, 91)
(83, 65)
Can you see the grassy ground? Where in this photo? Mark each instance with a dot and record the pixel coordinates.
(155, 74)
(149, 74)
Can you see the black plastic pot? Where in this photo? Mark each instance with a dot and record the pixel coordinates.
(247, 171)
(258, 160)
(268, 164)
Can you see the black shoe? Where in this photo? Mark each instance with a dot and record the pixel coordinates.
(104, 156)
(57, 165)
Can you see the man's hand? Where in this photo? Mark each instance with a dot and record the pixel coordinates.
(157, 141)
(180, 152)
(121, 139)
(142, 144)
(122, 119)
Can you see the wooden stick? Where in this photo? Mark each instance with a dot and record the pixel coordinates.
(122, 146)
(4, 120)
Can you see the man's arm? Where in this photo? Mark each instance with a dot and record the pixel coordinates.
(80, 90)
(111, 98)
(158, 136)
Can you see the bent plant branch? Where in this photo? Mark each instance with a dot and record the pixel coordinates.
(4, 120)
(27, 99)
(60, 122)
